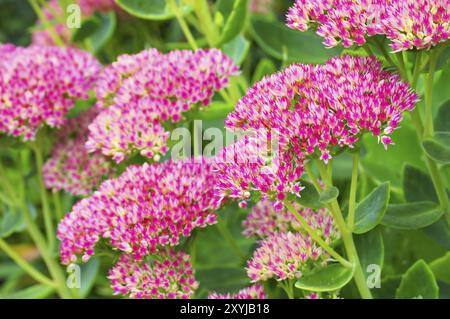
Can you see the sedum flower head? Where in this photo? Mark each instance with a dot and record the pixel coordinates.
(143, 92)
(252, 292)
(283, 256)
(168, 276)
(39, 85)
(264, 221)
(146, 208)
(71, 168)
(409, 24)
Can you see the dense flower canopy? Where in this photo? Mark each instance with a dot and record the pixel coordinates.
(146, 208)
(71, 168)
(168, 276)
(39, 85)
(252, 292)
(305, 111)
(144, 91)
(264, 221)
(283, 256)
(409, 24)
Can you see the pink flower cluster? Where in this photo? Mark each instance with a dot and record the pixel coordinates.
(39, 85)
(252, 292)
(283, 256)
(168, 276)
(146, 208)
(87, 7)
(71, 168)
(264, 221)
(141, 93)
(304, 111)
(409, 24)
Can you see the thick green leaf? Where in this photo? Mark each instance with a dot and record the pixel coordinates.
(88, 273)
(10, 221)
(418, 282)
(441, 268)
(329, 278)
(33, 292)
(88, 28)
(439, 232)
(309, 197)
(264, 67)
(150, 10)
(370, 249)
(418, 186)
(103, 34)
(235, 21)
(411, 215)
(438, 148)
(237, 49)
(331, 193)
(370, 211)
(442, 120)
(283, 43)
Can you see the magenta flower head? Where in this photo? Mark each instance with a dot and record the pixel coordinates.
(71, 168)
(252, 292)
(264, 221)
(89, 7)
(143, 92)
(148, 207)
(169, 275)
(409, 24)
(39, 85)
(284, 256)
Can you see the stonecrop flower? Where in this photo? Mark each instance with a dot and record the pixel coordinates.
(409, 24)
(169, 275)
(143, 93)
(306, 111)
(145, 209)
(71, 168)
(39, 85)
(284, 256)
(252, 292)
(264, 221)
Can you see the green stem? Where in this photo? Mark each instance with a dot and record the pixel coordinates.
(229, 239)
(402, 65)
(315, 236)
(312, 177)
(209, 29)
(353, 188)
(439, 186)
(58, 206)
(415, 114)
(288, 287)
(383, 51)
(46, 254)
(22, 263)
(48, 220)
(347, 239)
(428, 125)
(184, 26)
(50, 28)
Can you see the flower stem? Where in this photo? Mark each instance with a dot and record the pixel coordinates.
(22, 263)
(48, 220)
(209, 29)
(383, 51)
(184, 26)
(58, 206)
(229, 239)
(50, 28)
(347, 239)
(316, 237)
(288, 287)
(428, 125)
(353, 188)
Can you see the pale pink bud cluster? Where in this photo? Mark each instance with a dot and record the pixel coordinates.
(169, 275)
(283, 256)
(264, 221)
(252, 292)
(71, 168)
(39, 85)
(148, 207)
(409, 24)
(142, 92)
(260, 6)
